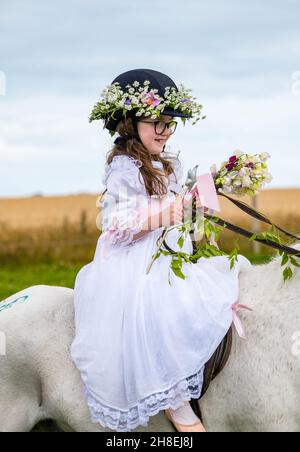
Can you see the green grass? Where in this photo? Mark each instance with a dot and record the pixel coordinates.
(14, 278)
(258, 259)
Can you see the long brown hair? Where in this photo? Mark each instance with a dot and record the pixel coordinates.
(153, 180)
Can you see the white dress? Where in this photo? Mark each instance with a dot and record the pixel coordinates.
(141, 343)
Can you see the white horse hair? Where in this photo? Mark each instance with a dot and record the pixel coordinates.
(259, 389)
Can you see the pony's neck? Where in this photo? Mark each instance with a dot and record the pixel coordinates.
(259, 283)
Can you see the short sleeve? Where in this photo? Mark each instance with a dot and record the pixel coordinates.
(122, 206)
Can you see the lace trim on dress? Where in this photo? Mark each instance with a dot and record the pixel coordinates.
(124, 421)
(124, 236)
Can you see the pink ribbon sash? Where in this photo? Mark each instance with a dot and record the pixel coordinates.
(236, 320)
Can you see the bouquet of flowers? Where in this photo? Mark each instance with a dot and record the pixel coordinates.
(241, 174)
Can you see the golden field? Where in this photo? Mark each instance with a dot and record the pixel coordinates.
(64, 227)
(43, 211)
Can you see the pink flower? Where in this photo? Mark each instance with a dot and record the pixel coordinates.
(229, 166)
(250, 165)
(231, 163)
(150, 99)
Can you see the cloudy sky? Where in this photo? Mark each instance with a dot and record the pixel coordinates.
(240, 58)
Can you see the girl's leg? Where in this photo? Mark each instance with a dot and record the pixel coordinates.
(184, 419)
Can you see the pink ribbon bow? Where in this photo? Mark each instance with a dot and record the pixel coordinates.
(236, 320)
(205, 190)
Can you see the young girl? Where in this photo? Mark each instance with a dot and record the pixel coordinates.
(141, 343)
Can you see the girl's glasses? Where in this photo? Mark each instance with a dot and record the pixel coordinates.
(160, 126)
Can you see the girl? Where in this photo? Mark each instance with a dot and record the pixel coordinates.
(141, 343)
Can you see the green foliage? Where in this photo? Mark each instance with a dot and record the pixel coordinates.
(206, 249)
(288, 261)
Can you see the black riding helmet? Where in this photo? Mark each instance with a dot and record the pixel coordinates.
(144, 92)
(157, 80)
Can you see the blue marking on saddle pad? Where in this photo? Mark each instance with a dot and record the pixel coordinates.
(9, 304)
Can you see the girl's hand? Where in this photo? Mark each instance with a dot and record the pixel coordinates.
(188, 202)
(199, 205)
(172, 214)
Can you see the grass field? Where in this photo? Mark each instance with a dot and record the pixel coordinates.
(14, 278)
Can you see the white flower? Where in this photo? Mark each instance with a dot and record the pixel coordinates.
(268, 177)
(242, 172)
(238, 154)
(264, 156)
(227, 189)
(246, 182)
(213, 169)
(113, 98)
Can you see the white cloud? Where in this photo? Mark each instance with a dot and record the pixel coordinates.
(239, 59)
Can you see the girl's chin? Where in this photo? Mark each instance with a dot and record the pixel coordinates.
(159, 145)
